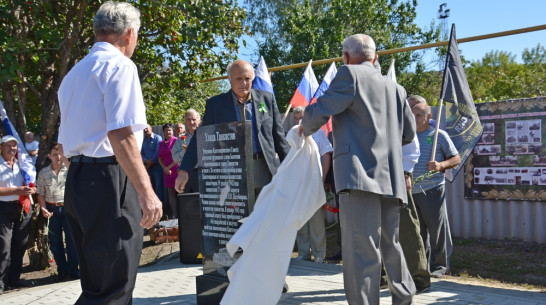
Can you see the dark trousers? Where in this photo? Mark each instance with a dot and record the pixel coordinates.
(14, 229)
(104, 214)
(158, 181)
(67, 262)
(432, 211)
(412, 244)
(192, 186)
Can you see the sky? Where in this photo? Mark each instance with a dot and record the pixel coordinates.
(474, 18)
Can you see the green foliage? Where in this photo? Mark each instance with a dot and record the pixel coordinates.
(180, 43)
(294, 31)
(424, 83)
(498, 76)
(173, 109)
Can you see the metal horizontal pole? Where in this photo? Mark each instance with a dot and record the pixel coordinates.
(400, 50)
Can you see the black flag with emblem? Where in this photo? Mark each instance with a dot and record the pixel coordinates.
(461, 119)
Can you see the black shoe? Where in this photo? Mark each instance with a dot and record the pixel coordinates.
(335, 257)
(75, 275)
(19, 284)
(61, 277)
(284, 288)
(422, 289)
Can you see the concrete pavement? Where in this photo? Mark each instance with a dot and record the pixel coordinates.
(174, 283)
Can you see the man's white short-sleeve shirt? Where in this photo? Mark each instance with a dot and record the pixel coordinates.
(324, 145)
(10, 177)
(101, 93)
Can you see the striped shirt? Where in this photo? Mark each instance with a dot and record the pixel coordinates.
(444, 150)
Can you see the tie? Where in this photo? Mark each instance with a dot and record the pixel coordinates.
(243, 111)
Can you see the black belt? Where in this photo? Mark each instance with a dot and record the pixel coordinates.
(86, 159)
(57, 204)
(258, 155)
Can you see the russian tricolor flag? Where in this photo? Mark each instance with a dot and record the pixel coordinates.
(262, 81)
(25, 161)
(328, 77)
(306, 89)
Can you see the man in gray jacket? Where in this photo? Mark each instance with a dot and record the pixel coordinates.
(371, 121)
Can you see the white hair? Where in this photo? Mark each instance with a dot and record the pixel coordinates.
(299, 109)
(360, 46)
(238, 62)
(190, 111)
(116, 18)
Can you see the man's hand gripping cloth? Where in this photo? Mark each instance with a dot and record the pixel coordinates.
(268, 234)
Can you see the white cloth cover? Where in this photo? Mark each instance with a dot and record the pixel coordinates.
(267, 236)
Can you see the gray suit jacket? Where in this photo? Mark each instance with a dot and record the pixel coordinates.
(371, 121)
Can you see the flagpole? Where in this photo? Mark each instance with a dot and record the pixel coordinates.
(286, 113)
(435, 142)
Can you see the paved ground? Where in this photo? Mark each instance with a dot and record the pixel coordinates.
(173, 283)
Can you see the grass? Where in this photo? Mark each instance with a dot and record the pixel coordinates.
(490, 262)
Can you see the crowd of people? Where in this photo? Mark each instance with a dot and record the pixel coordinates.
(162, 155)
(113, 180)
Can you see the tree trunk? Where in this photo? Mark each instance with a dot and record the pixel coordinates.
(38, 243)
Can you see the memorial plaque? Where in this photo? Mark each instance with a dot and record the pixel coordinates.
(226, 184)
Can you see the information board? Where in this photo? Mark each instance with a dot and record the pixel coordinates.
(509, 161)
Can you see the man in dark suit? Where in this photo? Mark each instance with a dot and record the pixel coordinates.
(239, 104)
(371, 120)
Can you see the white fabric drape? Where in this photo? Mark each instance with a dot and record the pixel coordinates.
(268, 234)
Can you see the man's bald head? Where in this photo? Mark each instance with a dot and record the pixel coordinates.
(241, 75)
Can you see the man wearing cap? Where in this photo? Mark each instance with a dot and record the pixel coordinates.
(108, 194)
(14, 220)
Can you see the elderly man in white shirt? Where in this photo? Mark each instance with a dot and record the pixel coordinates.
(312, 235)
(32, 146)
(108, 194)
(14, 220)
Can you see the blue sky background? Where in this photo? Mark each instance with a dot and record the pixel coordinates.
(473, 18)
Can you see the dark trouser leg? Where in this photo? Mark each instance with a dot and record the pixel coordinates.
(19, 240)
(156, 175)
(413, 246)
(173, 203)
(55, 236)
(71, 255)
(433, 219)
(104, 215)
(192, 186)
(12, 235)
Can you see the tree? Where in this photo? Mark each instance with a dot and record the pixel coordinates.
(293, 31)
(180, 42)
(498, 76)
